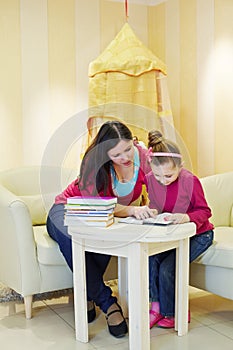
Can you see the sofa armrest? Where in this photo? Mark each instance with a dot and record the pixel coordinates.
(18, 262)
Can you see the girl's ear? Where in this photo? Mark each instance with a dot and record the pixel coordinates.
(182, 164)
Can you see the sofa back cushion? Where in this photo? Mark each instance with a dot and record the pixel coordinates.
(36, 208)
(37, 187)
(219, 195)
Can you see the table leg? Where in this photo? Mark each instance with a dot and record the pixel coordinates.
(182, 271)
(138, 297)
(80, 298)
(122, 284)
(176, 289)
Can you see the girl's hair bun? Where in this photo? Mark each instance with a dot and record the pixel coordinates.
(154, 138)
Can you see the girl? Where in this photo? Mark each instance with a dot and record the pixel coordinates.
(173, 189)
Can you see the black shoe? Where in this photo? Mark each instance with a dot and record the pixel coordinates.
(91, 314)
(119, 330)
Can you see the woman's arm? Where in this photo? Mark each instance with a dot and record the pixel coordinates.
(139, 212)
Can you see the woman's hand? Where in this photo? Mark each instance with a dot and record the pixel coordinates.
(178, 218)
(139, 212)
(144, 212)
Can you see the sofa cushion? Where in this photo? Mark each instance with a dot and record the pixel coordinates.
(48, 251)
(221, 252)
(218, 190)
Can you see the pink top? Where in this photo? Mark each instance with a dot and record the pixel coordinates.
(185, 195)
(73, 189)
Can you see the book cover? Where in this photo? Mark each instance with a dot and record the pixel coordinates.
(88, 217)
(92, 200)
(88, 210)
(90, 213)
(73, 222)
(159, 220)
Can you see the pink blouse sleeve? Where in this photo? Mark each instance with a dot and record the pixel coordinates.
(71, 191)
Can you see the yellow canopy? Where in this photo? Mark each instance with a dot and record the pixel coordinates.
(127, 82)
(126, 54)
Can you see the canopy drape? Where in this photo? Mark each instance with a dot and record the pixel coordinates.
(127, 82)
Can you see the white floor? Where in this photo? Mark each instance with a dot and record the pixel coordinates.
(52, 327)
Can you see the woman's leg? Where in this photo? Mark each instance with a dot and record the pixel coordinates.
(154, 263)
(96, 264)
(57, 230)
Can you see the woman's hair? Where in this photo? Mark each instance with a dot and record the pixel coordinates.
(158, 144)
(96, 161)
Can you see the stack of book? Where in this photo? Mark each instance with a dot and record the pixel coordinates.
(90, 211)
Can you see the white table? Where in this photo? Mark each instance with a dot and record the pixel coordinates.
(132, 244)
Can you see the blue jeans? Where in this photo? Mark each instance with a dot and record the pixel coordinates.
(96, 264)
(162, 272)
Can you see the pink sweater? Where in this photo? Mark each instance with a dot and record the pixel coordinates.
(185, 195)
(73, 190)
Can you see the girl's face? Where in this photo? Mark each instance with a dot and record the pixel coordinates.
(165, 173)
(123, 153)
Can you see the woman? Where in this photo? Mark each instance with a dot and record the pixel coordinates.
(112, 166)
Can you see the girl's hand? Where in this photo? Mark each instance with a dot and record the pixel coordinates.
(178, 218)
(144, 212)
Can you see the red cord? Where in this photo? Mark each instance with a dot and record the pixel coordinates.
(126, 8)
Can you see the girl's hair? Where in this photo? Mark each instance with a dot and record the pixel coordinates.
(95, 166)
(158, 144)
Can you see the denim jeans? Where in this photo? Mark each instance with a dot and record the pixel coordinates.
(96, 264)
(162, 272)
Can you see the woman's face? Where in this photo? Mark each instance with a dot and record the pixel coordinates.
(123, 153)
(165, 173)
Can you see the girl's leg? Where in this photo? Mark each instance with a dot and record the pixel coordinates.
(167, 284)
(154, 268)
(162, 281)
(200, 243)
(167, 290)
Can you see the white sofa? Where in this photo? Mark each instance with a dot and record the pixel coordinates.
(213, 270)
(30, 261)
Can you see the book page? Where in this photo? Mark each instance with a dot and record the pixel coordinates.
(159, 220)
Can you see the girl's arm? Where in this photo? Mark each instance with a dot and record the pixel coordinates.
(178, 218)
(198, 210)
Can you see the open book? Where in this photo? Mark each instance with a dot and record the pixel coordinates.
(159, 220)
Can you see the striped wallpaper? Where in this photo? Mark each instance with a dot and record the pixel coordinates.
(46, 46)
